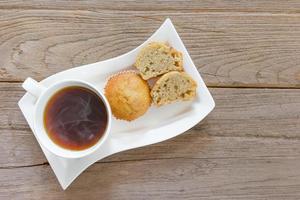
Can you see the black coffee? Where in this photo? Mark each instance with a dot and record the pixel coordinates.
(75, 118)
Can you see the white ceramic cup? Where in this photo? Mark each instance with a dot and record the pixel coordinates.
(43, 94)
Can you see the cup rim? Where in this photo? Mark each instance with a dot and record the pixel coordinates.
(42, 134)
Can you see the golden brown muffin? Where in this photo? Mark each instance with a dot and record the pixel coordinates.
(173, 86)
(128, 95)
(158, 58)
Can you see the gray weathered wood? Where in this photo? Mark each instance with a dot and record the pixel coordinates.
(274, 6)
(270, 113)
(229, 49)
(203, 168)
(247, 148)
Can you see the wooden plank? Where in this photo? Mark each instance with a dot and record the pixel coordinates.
(229, 49)
(270, 113)
(276, 6)
(254, 112)
(248, 148)
(210, 168)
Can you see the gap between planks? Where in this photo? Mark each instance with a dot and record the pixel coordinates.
(134, 160)
(214, 86)
(104, 161)
(157, 9)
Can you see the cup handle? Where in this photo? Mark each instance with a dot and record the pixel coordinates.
(33, 87)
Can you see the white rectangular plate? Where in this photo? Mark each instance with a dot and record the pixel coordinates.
(157, 125)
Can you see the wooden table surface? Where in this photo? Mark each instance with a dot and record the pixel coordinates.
(248, 53)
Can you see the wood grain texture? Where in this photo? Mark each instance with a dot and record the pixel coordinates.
(247, 148)
(274, 6)
(210, 168)
(270, 113)
(230, 49)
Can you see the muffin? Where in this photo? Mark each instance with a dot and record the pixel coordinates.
(128, 95)
(173, 86)
(158, 58)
